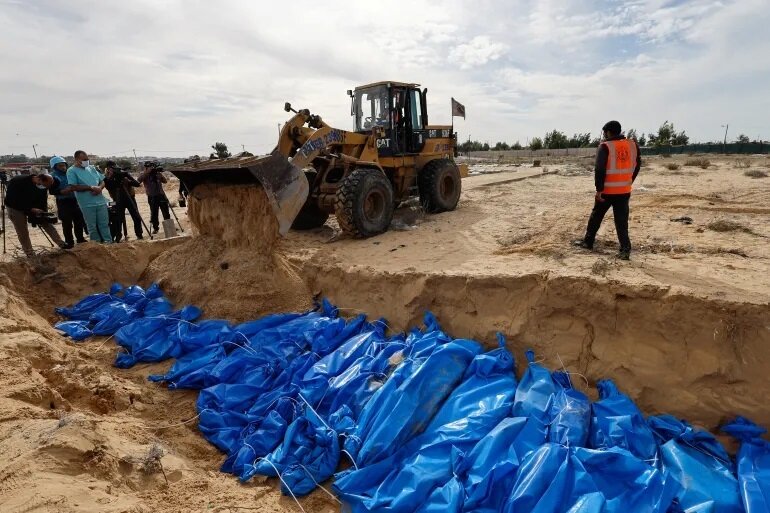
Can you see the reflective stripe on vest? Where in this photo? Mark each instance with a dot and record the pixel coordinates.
(621, 161)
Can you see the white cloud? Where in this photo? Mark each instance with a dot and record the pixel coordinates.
(478, 51)
(172, 77)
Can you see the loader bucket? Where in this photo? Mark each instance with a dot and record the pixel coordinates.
(284, 183)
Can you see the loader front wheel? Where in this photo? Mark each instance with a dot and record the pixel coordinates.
(364, 204)
(311, 216)
(440, 185)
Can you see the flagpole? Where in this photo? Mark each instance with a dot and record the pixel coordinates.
(451, 112)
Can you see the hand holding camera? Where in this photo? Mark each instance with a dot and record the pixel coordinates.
(38, 217)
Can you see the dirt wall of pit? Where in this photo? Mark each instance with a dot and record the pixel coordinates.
(698, 359)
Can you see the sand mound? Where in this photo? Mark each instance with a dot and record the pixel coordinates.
(79, 436)
(233, 268)
(238, 216)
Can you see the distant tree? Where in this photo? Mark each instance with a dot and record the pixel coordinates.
(595, 142)
(642, 140)
(632, 135)
(743, 139)
(536, 144)
(680, 139)
(668, 136)
(664, 135)
(470, 146)
(579, 140)
(125, 164)
(501, 146)
(485, 147)
(14, 159)
(220, 150)
(516, 146)
(554, 140)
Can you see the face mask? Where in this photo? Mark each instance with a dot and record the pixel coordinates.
(41, 186)
(85, 163)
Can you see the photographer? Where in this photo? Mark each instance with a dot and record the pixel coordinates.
(66, 205)
(119, 184)
(26, 198)
(153, 180)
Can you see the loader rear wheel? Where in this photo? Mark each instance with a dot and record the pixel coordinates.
(364, 204)
(311, 216)
(440, 185)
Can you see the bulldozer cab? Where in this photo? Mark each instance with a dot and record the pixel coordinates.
(396, 113)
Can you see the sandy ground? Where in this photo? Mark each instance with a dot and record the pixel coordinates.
(520, 220)
(683, 327)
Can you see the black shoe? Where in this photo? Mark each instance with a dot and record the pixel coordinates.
(67, 245)
(81, 241)
(624, 254)
(139, 237)
(581, 243)
(154, 229)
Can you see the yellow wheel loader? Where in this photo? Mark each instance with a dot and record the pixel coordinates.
(359, 176)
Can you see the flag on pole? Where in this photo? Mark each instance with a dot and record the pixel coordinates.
(458, 109)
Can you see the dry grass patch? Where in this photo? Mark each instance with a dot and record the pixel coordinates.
(700, 162)
(742, 164)
(755, 173)
(724, 225)
(671, 166)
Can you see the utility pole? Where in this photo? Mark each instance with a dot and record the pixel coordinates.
(279, 131)
(34, 148)
(136, 159)
(724, 145)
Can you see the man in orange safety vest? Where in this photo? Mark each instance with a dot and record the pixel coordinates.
(617, 164)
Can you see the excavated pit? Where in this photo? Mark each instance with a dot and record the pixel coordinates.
(78, 435)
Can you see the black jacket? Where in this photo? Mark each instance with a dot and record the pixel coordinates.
(118, 184)
(600, 170)
(24, 195)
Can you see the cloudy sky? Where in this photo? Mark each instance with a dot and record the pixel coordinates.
(169, 78)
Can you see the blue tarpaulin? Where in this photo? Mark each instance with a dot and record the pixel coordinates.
(617, 422)
(753, 464)
(428, 422)
(404, 481)
(570, 414)
(697, 460)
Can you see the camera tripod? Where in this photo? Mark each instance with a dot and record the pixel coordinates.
(3, 180)
(171, 207)
(136, 207)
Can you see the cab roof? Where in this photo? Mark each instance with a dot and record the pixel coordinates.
(388, 82)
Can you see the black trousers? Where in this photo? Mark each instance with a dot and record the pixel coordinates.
(118, 219)
(71, 220)
(158, 202)
(619, 205)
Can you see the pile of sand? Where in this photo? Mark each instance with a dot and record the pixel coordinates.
(234, 267)
(78, 435)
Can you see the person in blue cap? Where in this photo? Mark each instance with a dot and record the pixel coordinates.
(72, 223)
(88, 183)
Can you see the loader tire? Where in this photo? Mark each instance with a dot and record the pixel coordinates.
(365, 203)
(440, 185)
(311, 216)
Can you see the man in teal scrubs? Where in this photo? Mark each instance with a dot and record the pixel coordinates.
(87, 183)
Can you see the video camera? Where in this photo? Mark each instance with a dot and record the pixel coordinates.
(154, 166)
(42, 218)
